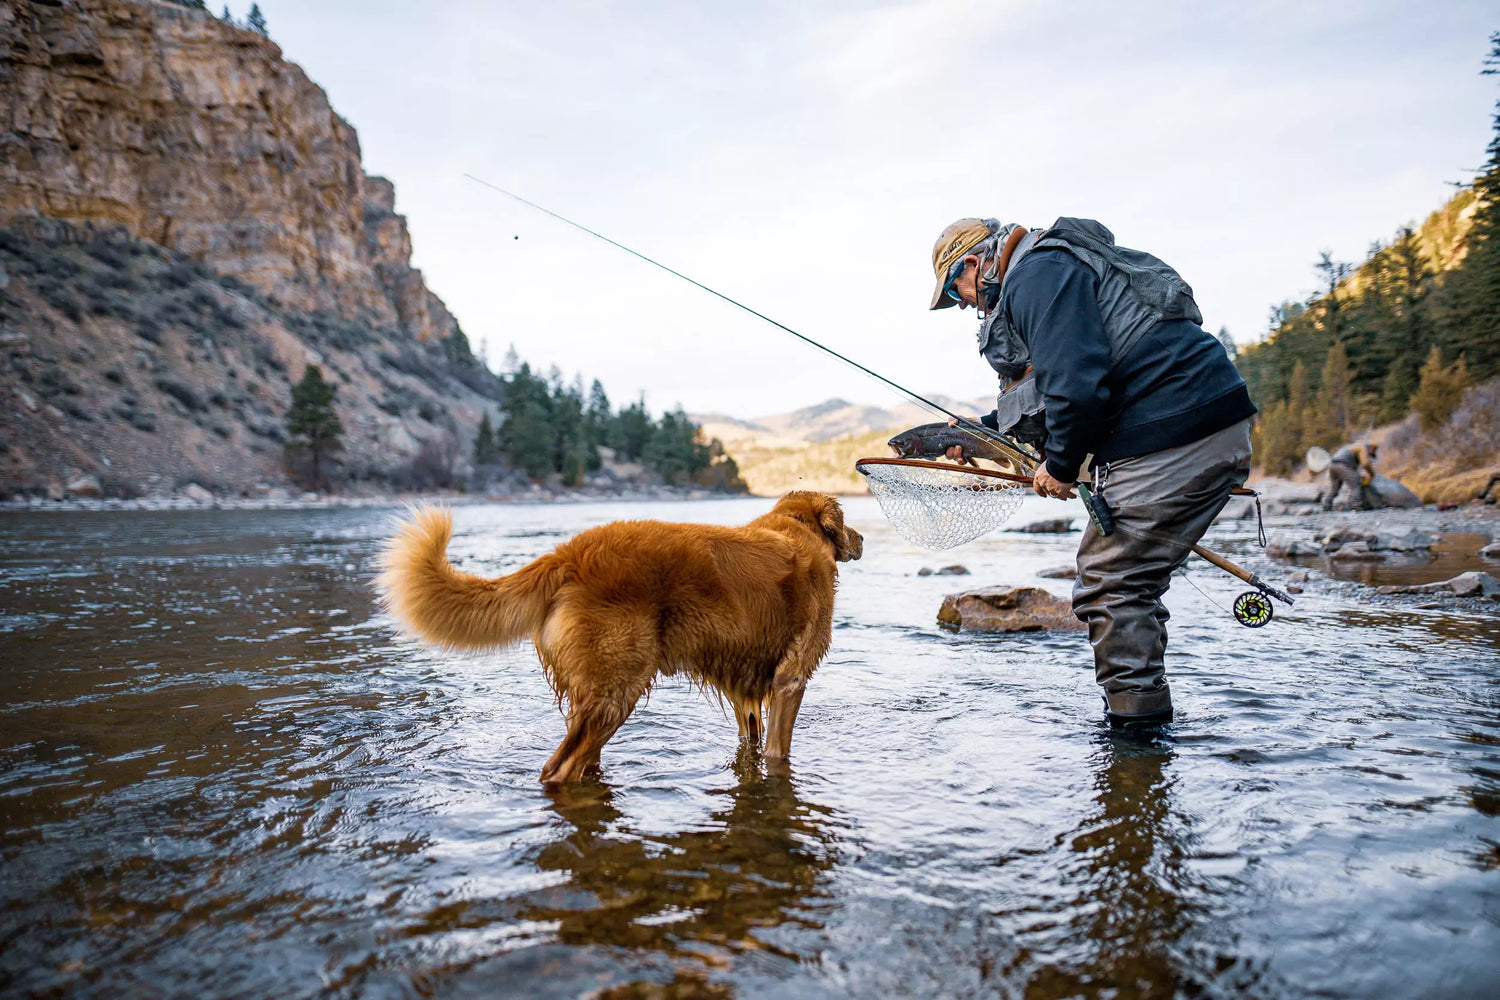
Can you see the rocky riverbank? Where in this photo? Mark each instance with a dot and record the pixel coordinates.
(279, 498)
(1418, 559)
(1385, 557)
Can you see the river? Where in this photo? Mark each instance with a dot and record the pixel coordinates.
(223, 775)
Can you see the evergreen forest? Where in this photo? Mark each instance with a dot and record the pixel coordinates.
(1404, 332)
(550, 426)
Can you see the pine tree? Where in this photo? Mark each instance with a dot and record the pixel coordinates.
(486, 450)
(1326, 421)
(526, 436)
(1334, 272)
(1479, 278)
(226, 16)
(1230, 347)
(1440, 390)
(1397, 390)
(597, 415)
(256, 21)
(631, 431)
(313, 427)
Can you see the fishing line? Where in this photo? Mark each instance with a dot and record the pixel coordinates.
(1186, 576)
(980, 432)
(967, 426)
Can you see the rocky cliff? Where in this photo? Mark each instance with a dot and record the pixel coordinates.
(186, 225)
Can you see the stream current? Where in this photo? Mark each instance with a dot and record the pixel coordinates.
(222, 774)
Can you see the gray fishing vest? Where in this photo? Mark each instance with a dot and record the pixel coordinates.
(1136, 291)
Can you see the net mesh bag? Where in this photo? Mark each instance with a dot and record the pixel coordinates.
(937, 507)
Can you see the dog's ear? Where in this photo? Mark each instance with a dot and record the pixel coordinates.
(831, 521)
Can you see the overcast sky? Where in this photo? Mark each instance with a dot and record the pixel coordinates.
(802, 157)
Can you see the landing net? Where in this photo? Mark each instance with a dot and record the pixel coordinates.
(936, 505)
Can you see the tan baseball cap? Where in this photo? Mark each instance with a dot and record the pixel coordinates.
(953, 244)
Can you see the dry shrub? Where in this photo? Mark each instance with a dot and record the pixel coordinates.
(1452, 462)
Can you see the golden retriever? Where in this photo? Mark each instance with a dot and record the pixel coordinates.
(747, 611)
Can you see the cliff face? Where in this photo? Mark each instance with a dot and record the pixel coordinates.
(195, 134)
(178, 139)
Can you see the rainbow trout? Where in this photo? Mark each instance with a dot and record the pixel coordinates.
(934, 440)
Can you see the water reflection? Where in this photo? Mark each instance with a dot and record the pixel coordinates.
(1135, 897)
(681, 907)
(760, 862)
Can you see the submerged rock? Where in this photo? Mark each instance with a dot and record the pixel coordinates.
(1471, 584)
(1008, 609)
(1359, 549)
(1059, 573)
(957, 569)
(1055, 526)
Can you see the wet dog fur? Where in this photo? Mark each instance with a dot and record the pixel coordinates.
(747, 611)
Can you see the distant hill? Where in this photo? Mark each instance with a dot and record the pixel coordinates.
(815, 447)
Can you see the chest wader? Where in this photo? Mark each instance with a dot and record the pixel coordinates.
(1161, 503)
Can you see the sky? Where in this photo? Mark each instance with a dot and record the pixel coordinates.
(801, 157)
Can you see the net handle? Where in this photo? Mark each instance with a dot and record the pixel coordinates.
(917, 463)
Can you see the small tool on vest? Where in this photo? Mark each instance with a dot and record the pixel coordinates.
(1104, 521)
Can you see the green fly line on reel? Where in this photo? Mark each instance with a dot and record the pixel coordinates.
(938, 505)
(1252, 609)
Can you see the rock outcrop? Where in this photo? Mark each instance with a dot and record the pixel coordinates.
(195, 134)
(185, 224)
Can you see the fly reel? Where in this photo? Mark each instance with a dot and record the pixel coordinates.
(1252, 609)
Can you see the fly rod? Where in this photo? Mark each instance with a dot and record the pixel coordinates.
(1023, 461)
(968, 425)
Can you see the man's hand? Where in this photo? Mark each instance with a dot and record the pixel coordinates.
(1046, 486)
(955, 452)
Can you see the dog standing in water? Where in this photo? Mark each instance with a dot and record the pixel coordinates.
(747, 611)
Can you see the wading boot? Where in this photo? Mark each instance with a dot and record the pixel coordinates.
(1150, 720)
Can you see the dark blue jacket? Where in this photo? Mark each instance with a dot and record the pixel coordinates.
(1174, 386)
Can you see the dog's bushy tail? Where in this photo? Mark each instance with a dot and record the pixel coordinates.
(458, 610)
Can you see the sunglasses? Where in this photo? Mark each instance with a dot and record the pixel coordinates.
(953, 273)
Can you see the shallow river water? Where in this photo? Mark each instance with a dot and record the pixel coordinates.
(222, 775)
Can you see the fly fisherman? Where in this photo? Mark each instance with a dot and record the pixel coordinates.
(1353, 466)
(1102, 359)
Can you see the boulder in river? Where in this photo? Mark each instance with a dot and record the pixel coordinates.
(1008, 609)
(1471, 584)
(1359, 549)
(1415, 540)
(1490, 551)
(1343, 542)
(1059, 573)
(1284, 546)
(957, 569)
